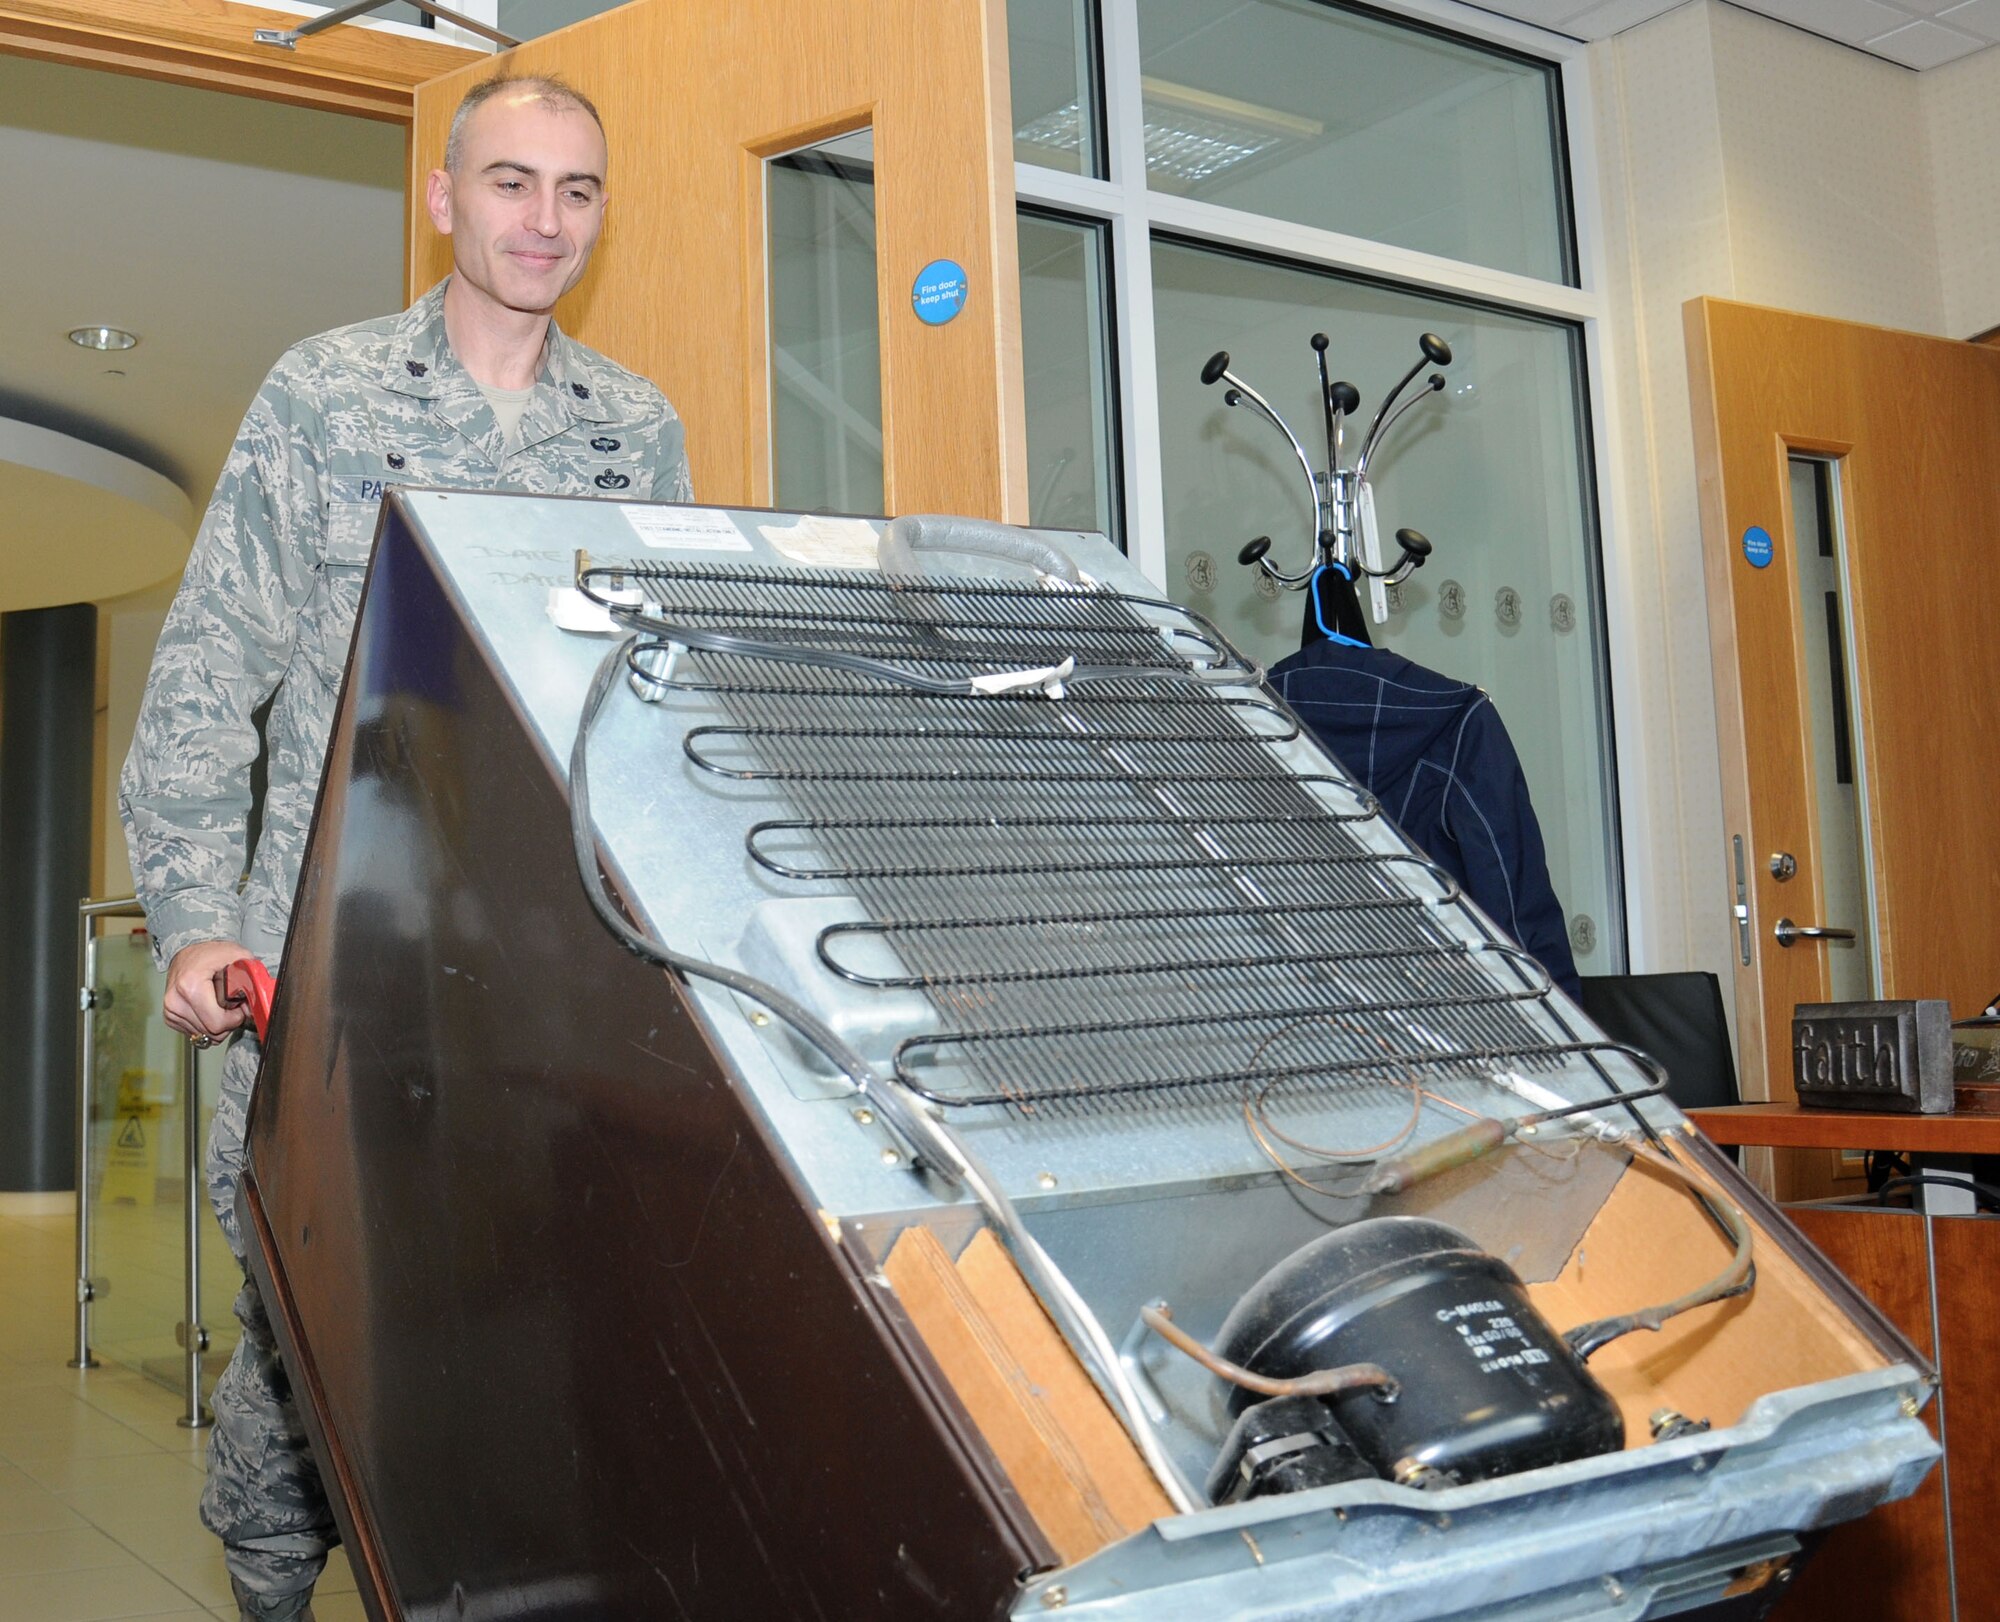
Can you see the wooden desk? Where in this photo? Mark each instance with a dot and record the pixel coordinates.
(1897, 1564)
(1786, 1126)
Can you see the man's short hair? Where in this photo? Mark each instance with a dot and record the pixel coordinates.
(552, 92)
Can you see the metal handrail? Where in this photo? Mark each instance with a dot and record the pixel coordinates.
(287, 39)
(190, 1332)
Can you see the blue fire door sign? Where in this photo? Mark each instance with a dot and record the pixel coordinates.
(940, 292)
(1757, 546)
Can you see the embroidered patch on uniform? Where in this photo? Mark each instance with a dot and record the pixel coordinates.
(601, 443)
(579, 391)
(417, 367)
(395, 459)
(611, 481)
(353, 491)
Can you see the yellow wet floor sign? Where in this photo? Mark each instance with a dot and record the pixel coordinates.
(133, 1163)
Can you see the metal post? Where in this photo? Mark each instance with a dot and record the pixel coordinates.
(193, 1333)
(86, 1060)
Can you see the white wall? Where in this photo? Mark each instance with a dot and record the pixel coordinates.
(1667, 240)
(1828, 176)
(1961, 105)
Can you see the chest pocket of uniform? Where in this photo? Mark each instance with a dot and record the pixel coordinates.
(350, 533)
(329, 621)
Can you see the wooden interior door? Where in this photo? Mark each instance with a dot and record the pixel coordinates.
(1912, 426)
(696, 98)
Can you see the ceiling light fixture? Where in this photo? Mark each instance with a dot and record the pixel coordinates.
(1191, 135)
(103, 338)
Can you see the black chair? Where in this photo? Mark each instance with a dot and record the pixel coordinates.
(1677, 1019)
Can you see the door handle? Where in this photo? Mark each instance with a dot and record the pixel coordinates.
(1788, 932)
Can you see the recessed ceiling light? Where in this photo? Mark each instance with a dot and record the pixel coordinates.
(103, 338)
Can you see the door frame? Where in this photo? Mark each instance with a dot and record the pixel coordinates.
(207, 45)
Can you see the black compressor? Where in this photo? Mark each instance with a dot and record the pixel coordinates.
(1466, 1380)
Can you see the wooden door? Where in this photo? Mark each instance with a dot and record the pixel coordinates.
(1911, 426)
(696, 98)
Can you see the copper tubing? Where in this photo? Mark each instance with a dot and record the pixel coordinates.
(1320, 1383)
(1458, 1148)
(1468, 1143)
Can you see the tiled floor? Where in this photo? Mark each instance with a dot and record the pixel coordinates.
(97, 1482)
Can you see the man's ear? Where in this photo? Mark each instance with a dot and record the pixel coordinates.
(437, 199)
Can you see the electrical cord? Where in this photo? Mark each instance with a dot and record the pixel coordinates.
(1987, 1194)
(929, 1140)
(1736, 1277)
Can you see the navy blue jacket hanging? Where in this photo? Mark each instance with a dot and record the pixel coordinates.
(1435, 753)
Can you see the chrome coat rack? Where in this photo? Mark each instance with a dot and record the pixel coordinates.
(1343, 503)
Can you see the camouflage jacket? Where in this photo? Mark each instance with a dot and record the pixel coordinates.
(268, 601)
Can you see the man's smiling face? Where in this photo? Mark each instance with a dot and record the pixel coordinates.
(524, 207)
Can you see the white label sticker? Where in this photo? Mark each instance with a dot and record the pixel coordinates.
(697, 529)
(1371, 554)
(572, 611)
(826, 543)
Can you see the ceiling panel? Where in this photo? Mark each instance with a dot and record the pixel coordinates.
(218, 228)
(1914, 33)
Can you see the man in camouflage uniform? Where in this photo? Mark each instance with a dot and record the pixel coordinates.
(473, 387)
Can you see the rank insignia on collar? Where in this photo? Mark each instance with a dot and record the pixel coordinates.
(603, 443)
(395, 459)
(416, 367)
(579, 391)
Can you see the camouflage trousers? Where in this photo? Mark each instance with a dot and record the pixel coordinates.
(263, 1498)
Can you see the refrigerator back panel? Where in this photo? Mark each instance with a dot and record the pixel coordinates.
(1013, 904)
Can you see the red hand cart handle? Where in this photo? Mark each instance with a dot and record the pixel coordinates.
(247, 981)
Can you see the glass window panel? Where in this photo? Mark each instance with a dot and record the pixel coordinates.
(1051, 56)
(528, 19)
(137, 1184)
(1833, 735)
(136, 1166)
(826, 355)
(1065, 347)
(1494, 471)
(1352, 122)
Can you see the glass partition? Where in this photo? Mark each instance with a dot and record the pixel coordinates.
(826, 350)
(221, 1275)
(137, 1154)
(1051, 59)
(1067, 366)
(1373, 126)
(1834, 742)
(137, 1189)
(1494, 470)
